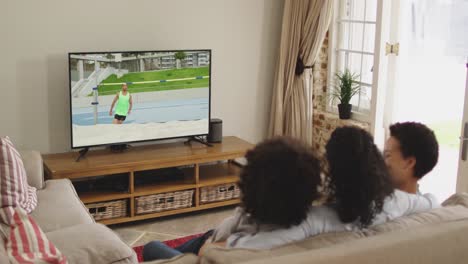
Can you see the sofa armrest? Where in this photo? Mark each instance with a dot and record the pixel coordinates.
(92, 244)
(34, 168)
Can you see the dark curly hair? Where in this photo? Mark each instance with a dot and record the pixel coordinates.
(358, 180)
(279, 182)
(418, 141)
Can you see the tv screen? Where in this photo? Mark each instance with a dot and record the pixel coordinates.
(123, 97)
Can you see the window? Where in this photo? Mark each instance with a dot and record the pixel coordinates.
(352, 46)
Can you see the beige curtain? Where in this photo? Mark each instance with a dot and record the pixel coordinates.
(305, 24)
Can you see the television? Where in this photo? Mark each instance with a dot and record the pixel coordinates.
(135, 96)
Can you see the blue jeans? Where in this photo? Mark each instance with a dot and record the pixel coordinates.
(157, 250)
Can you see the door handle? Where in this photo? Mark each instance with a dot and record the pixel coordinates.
(464, 140)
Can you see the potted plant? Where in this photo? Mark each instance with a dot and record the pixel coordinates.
(345, 88)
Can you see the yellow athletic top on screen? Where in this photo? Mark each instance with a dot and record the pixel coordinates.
(123, 104)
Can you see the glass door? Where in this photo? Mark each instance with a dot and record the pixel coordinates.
(426, 80)
(462, 180)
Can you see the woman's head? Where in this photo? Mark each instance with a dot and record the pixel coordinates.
(358, 178)
(279, 182)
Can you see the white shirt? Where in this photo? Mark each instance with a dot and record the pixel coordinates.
(321, 219)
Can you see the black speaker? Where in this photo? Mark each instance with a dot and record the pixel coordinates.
(216, 131)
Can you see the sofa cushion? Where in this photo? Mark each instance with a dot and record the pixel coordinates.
(3, 253)
(25, 242)
(428, 244)
(92, 243)
(455, 210)
(434, 216)
(14, 187)
(457, 199)
(59, 206)
(214, 254)
(34, 168)
(329, 239)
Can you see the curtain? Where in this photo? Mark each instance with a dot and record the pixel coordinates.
(305, 24)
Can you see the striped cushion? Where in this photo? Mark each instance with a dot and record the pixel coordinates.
(14, 187)
(25, 241)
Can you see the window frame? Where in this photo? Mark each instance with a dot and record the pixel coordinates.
(333, 42)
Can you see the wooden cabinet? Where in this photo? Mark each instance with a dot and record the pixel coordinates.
(199, 166)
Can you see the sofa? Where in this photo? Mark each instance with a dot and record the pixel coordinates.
(445, 242)
(67, 223)
(436, 236)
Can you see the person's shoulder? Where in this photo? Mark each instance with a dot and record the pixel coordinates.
(324, 212)
(400, 196)
(431, 197)
(322, 219)
(396, 199)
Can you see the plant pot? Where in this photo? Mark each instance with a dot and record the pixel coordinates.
(344, 111)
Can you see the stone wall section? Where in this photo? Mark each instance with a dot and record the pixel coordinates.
(324, 122)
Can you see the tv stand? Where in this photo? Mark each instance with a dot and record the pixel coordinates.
(199, 140)
(137, 176)
(82, 154)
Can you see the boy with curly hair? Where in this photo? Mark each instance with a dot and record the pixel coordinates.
(411, 152)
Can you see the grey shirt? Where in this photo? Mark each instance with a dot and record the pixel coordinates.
(239, 231)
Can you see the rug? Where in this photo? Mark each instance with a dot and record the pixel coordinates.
(171, 243)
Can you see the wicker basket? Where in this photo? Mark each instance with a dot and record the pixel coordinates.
(222, 192)
(107, 210)
(163, 202)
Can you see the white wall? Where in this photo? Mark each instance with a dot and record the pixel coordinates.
(35, 37)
